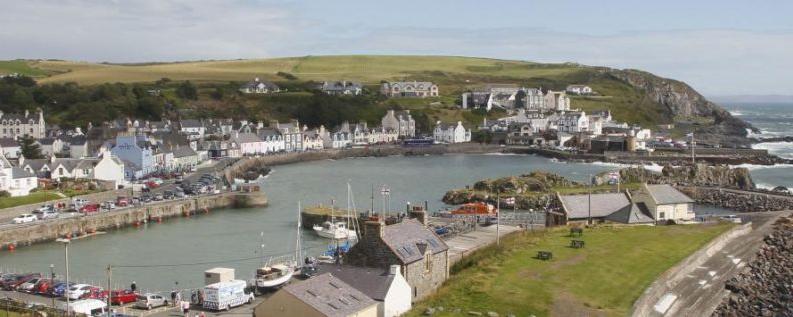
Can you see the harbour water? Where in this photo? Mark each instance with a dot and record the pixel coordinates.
(160, 257)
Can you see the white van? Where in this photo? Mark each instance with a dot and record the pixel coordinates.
(89, 307)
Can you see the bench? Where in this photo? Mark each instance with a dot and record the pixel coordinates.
(544, 255)
(577, 244)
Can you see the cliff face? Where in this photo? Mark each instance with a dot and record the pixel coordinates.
(684, 104)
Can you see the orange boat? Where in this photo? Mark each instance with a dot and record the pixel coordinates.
(474, 209)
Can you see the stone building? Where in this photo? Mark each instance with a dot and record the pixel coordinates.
(419, 89)
(401, 122)
(422, 255)
(14, 126)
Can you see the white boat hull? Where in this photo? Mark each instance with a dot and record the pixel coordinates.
(262, 283)
(338, 234)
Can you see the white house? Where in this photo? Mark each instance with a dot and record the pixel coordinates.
(292, 135)
(9, 148)
(259, 87)
(185, 158)
(337, 140)
(193, 129)
(250, 143)
(341, 88)
(451, 133)
(573, 122)
(273, 140)
(579, 89)
(664, 202)
(14, 126)
(14, 180)
(388, 288)
(109, 168)
(312, 139)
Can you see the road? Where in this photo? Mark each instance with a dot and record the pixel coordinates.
(700, 291)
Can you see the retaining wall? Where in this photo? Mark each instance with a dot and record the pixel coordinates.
(21, 235)
(739, 200)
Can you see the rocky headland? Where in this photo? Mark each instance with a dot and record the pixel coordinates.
(696, 175)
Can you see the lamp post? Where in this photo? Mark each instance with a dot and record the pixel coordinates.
(52, 281)
(66, 243)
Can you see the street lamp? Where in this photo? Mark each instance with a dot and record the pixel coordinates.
(66, 243)
(52, 281)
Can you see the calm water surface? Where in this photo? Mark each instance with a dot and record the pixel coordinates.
(207, 240)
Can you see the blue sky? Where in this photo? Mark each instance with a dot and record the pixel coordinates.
(719, 47)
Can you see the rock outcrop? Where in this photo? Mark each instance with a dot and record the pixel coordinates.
(531, 191)
(766, 287)
(684, 104)
(700, 175)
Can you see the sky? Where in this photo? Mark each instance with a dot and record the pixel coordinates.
(719, 47)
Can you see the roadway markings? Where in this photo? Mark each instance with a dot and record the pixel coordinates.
(702, 282)
(665, 303)
(712, 273)
(736, 261)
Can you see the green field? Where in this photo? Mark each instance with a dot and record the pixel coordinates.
(602, 279)
(33, 198)
(20, 67)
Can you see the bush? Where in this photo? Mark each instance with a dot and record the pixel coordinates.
(4, 193)
(286, 75)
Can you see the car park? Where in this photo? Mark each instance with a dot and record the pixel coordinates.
(89, 208)
(24, 218)
(158, 197)
(59, 289)
(167, 194)
(43, 286)
(149, 301)
(18, 279)
(28, 285)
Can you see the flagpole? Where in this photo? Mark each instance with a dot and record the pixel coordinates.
(498, 218)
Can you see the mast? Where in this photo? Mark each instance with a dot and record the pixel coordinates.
(298, 251)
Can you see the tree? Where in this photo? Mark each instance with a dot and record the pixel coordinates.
(30, 148)
(187, 90)
(218, 93)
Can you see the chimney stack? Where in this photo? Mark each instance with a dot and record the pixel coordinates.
(418, 213)
(374, 228)
(395, 269)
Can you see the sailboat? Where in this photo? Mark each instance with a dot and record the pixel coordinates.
(279, 271)
(338, 230)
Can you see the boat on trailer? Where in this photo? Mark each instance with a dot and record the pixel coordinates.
(273, 276)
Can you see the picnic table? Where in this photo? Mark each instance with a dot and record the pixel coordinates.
(544, 255)
(577, 244)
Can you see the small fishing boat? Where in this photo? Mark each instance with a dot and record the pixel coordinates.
(273, 276)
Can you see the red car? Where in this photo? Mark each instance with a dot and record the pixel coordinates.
(121, 297)
(42, 287)
(95, 293)
(151, 184)
(122, 202)
(90, 208)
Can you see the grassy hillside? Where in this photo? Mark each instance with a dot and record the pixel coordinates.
(20, 67)
(453, 74)
(602, 279)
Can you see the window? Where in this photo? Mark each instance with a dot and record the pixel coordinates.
(427, 262)
(661, 215)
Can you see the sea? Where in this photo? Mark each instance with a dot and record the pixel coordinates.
(773, 120)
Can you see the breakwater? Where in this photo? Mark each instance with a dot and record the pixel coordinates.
(78, 226)
(738, 200)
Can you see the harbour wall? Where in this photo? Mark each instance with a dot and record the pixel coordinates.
(74, 227)
(738, 200)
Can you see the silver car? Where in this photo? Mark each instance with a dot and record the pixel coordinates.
(149, 301)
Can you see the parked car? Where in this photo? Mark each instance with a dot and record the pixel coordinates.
(24, 218)
(732, 218)
(149, 301)
(179, 194)
(46, 214)
(44, 208)
(122, 297)
(28, 285)
(6, 279)
(123, 201)
(95, 293)
(59, 289)
(43, 286)
(19, 279)
(79, 202)
(158, 197)
(167, 194)
(78, 291)
(90, 208)
(108, 205)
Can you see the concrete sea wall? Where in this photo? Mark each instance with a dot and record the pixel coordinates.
(74, 227)
(739, 200)
(9, 213)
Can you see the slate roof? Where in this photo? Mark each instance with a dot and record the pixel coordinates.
(373, 282)
(577, 206)
(330, 295)
(17, 172)
(190, 123)
(183, 151)
(339, 85)
(666, 194)
(268, 132)
(633, 214)
(407, 238)
(36, 164)
(247, 138)
(8, 142)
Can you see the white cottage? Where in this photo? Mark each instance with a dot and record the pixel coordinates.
(451, 133)
(14, 180)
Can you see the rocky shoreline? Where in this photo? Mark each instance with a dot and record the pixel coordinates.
(765, 288)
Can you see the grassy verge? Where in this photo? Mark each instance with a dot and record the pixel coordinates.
(35, 197)
(604, 278)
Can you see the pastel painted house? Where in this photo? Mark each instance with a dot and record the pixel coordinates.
(665, 202)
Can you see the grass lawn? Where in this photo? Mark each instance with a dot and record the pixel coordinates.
(36, 197)
(19, 67)
(604, 278)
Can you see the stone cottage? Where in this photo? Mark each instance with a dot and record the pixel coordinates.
(422, 255)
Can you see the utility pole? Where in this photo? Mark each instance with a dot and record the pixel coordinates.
(52, 275)
(66, 255)
(693, 156)
(109, 287)
(589, 201)
(498, 218)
